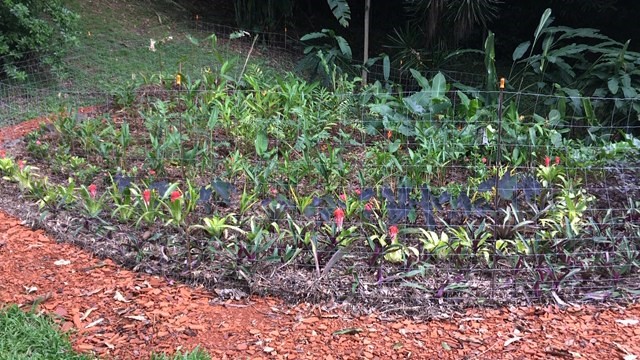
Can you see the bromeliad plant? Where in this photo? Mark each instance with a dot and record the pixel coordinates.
(147, 203)
(23, 174)
(92, 203)
(215, 226)
(122, 198)
(175, 205)
(7, 165)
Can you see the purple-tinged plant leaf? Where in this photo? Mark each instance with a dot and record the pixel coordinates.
(463, 202)
(403, 196)
(487, 185)
(530, 187)
(507, 186)
(329, 201)
(325, 214)
(387, 194)
(601, 295)
(205, 194)
(309, 211)
(427, 209)
(441, 290)
(444, 198)
(223, 190)
(366, 194)
(159, 186)
(380, 276)
(481, 207)
(122, 182)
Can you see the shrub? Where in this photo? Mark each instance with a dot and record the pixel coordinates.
(33, 31)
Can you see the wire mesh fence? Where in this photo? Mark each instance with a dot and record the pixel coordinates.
(434, 196)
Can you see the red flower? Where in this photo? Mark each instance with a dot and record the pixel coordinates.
(484, 160)
(3, 154)
(21, 165)
(393, 232)
(146, 196)
(175, 195)
(338, 214)
(557, 160)
(38, 142)
(547, 161)
(343, 197)
(368, 207)
(357, 191)
(93, 190)
(152, 172)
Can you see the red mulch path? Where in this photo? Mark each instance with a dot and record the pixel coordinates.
(116, 313)
(17, 131)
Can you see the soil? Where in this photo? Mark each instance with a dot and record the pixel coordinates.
(116, 313)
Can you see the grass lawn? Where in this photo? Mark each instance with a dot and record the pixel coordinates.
(28, 335)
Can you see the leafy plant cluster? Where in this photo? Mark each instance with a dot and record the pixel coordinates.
(580, 63)
(587, 72)
(244, 172)
(33, 29)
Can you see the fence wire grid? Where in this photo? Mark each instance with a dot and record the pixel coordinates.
(434, 196)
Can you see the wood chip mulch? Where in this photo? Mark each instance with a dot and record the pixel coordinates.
(116, 313)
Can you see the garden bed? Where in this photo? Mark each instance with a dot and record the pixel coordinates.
(275, 186)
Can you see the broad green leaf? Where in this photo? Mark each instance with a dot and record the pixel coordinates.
(556, 139)
(490, 62)
(382, 109)
(422, 81)
(554, 117)
(344, 47)
(313, 35)
(464, 99)
(518, 53)
(394, 146)
(193, 40)
(438, 85)
(412, 104)
(341, 11)
(406, 130)
(546, 46)
(588, 111)
(386, 67)
(613, 85)
(261, 143)
(544, 22)
(238, 34)
(532, 136)
(629, 92)
(213, 119)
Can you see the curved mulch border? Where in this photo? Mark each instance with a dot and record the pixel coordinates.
(116, 313)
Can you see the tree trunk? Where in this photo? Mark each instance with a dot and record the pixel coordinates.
(367, 5)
